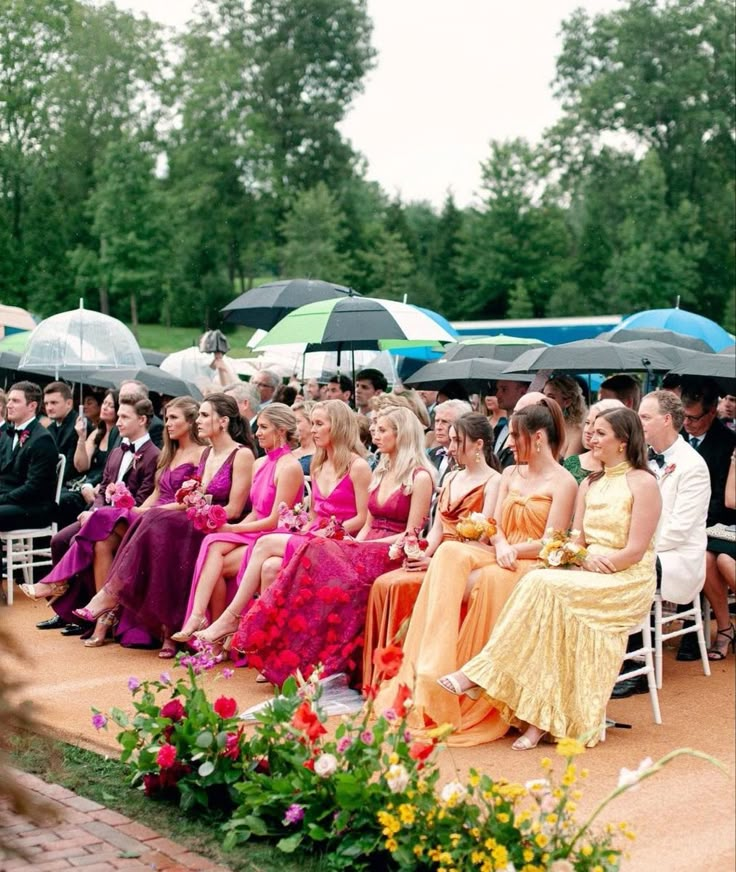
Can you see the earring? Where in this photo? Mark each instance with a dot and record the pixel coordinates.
(539, 446)
(477, 455)
(620, 449)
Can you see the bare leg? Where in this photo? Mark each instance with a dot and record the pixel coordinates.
(470, 584)
(273, 545)
(269, 571)
(209, 579)
(715, 590)
(103, 553)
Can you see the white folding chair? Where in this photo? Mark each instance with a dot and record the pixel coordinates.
(644, 656)
(665, 614)
(21, 552)
(307, 498)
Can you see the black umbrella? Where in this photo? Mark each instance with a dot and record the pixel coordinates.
(153, 358)
(155, 379)
(506, 348)
(659, 334)
(675, 354)
(474, 374)
(721, 367)
(588, 355)
(266, 305)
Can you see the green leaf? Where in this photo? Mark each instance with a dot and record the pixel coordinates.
(207, 768)
(256, 825)
(290, 843)
(204, 739)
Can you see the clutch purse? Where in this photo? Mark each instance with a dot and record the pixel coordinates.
(721, 531)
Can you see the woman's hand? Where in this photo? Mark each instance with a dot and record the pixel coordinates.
(88, 493)
(598, 563)
(417, 564)
(506, 555)
(80, 425)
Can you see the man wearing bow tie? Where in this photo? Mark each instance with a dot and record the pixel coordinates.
(28, 465)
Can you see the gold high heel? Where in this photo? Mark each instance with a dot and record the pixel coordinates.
(181, 636)
(104, 625)
(223, 637)
(53, 592)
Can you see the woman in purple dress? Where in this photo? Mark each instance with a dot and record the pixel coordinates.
(314, 613)
(277, 480)
(340, 480)
(148, 582)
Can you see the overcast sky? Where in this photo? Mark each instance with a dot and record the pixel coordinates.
(449, 78)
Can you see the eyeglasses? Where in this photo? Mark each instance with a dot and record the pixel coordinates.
(694, 418)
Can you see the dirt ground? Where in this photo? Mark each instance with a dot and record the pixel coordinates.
(684, 817)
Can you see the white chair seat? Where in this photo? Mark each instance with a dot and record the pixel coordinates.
(665, 614)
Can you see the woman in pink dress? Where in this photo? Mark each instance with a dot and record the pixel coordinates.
(149, 577)
(277, 480)
(340, 480)
(314, 613)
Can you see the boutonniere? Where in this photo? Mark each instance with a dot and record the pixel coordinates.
(668, 470)
(136, 458)
(23, 437)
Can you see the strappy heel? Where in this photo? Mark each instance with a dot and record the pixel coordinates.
(104, 626)
(223, 638)
(51, 594)
(450, 683)
(181, 636)
(719, 651)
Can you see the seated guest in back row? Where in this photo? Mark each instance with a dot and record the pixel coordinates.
(28, 464)
(339, 387)
(58, 401)
(622, 387)
(156, 425)
(369, 383)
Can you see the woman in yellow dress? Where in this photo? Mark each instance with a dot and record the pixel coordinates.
(534, 494)
(554, 655)
(472, 488)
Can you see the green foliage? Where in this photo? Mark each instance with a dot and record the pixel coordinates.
(313, 232)
(520, 303)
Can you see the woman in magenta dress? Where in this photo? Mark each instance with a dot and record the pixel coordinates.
(86, 564)
(148, 583)
(314, 613)
(277, 480)
(340, 480)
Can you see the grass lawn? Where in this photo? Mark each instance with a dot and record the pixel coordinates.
(105, 780)
(168, 339)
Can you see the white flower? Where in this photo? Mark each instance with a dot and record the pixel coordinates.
(325, 765)
(412, 549)
(477, 518)
(630, 778)
(452, 791)
(555, 557)
(538, 787)
(397, 778)
(395, 549)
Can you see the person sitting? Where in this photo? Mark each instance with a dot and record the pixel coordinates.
(535, 493)
(508, 394)
(5, 442)
(340, 478)
(445, 415)
(568, 396)
(472, 486)
(27, 464)
(92, 407)
(304, 452)
(265, 382)
(314, 611)
(247, 397)
(278, 480)
(580, 466)
(727, 410)
(554, 654)
(132, 463)
(151, 581)
(339, 387)
(135, 388)
(58, 401)
(622, 387)
(369, 383)
(720, 575)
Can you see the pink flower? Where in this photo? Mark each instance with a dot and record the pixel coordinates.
(216, 517)
(99, 720)
(294, 814)
(225, 706)
(173, 710)
(166, 756)
(344, 744)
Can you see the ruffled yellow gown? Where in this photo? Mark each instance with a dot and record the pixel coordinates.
(556, 650)
(439, 640)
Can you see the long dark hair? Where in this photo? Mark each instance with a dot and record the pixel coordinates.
(545, 415)
(190, 408)
(626, 425)
(226, 407)
(475, 426)
(101, 427)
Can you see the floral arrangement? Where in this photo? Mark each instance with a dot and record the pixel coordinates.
(332, 528)
(203, 514)
(190, 492)
(366, 796)
(560, 550)
(410, 546)
(293, 519)
(668, 470)
(474, 526)
(119, 496)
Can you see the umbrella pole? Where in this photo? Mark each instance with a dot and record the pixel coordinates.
(352, 355)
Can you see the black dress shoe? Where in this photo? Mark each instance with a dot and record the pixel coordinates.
(72, 630)
(55, 623)
(689, 649)
(630, 686)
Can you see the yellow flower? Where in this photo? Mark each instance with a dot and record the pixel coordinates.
(477, 857)
(597, 868)
(546, 763)
(422, 786)
(475, 833)
(393, 759)
(527, 855)
(407, 813)
(418, 850)
(500, 856)
(502, 817)
(391, 845)
(586, 850)
(474, 780)
(455, 839)
(441, 732)
(569, 747)
(489, 844)
(542, 840)
(445, 857)
(584, 773)
(551, 819)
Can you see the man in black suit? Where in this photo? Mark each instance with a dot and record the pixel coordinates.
(58, 402)
(28, 469)
(508, 394)
(5, 441)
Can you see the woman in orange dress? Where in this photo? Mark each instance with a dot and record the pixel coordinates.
(472, 488)
(535, 494)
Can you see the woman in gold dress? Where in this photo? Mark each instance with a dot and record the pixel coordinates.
(534, 494)
(553, 657)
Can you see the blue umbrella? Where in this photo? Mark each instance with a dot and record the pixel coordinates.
(680, 321)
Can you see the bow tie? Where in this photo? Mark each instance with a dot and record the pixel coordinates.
(441, 452)
(652, 455)
(21, 434)
(127, 446)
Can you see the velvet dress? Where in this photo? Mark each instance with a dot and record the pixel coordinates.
(314, 612)
(152, 570)
(76, 565)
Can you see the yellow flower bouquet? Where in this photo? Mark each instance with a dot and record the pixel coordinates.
(474, 526)
(560, 550)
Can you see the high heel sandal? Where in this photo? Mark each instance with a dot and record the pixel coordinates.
(91, 617)
(181, 636)
(524, 743)
(53, 591)
(105, 624)
(223, 638)
(452, 685)
(719, 652)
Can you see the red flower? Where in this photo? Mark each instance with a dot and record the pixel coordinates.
(309, 764)
(289, 659)
(173, 710)
(225, 706)
(388, 660)
(166, 756)
(232, 744)
(423, 544)
(297, 624)
(420, 750)
(402, 695)
(305, 719)
(370, 691)
(216, 517)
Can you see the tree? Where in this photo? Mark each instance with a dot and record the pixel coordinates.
(520, 303)
(444, 256)
(313, 232)
(389, 266)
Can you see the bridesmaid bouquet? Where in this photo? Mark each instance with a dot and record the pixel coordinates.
(474, 526)
(559, 550)
(293, 519)
(409, 545)
(190, 493)
(206, 517)
(332, 529)
(119, 496)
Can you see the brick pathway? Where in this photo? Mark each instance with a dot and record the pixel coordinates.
(91, 838)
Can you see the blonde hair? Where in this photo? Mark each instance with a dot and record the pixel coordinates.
(405, 400)
(572, 393)
(305, 407)
(410, 452)
(344, 437)
(282, 418)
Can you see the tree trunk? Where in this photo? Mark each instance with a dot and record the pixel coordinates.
(134, 314)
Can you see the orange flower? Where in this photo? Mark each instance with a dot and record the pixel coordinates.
(420, 750)
(388, 660)
(306, 720)
(402, 695)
